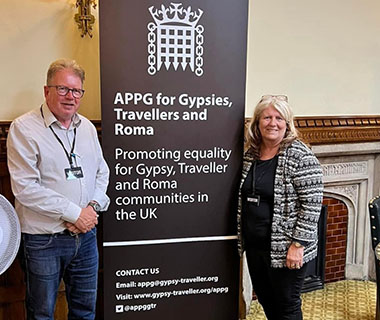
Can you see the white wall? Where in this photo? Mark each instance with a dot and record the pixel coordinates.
(33, 33)
(325, 54)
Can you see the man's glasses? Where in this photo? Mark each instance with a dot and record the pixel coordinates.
(281, 97)
(62, 91)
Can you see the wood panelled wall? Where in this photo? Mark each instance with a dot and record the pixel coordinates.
(337, 129)
(12, 285)
(313, 130)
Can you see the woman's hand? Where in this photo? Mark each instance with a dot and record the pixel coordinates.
(294, 258)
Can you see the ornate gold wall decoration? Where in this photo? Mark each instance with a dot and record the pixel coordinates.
(84, 18)
(338, 129)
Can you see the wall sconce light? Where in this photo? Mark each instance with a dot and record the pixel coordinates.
(84, 18)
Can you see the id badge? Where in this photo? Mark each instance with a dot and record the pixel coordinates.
(254, 200)
(73, 173)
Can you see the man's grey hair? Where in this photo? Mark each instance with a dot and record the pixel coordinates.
(62, 64)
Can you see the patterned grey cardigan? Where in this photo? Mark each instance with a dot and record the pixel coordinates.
(298, 192)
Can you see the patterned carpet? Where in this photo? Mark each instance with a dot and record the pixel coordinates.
(342, 300)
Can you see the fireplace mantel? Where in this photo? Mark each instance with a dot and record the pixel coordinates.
(351, 174)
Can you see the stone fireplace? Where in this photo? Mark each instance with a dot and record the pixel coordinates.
(351, 176)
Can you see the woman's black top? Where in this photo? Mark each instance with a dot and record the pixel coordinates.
(257, 219)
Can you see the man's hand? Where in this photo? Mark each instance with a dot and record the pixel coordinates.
(71, 227)
(88, 219)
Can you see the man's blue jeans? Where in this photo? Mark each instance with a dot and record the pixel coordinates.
(51, 258)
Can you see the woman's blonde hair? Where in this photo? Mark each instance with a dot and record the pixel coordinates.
(253, 137)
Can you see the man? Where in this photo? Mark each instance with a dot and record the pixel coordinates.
(59, 179)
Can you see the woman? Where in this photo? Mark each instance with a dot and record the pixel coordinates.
(280, 200)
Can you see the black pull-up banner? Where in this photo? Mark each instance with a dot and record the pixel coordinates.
(173, 97)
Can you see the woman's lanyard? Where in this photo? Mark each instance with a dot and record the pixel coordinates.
(253, 197)
(73, 172)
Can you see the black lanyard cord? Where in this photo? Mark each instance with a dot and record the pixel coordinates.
(261, 175)
(71, 155)
(253, 178)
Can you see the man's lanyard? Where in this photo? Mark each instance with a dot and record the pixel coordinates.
(70, 155)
